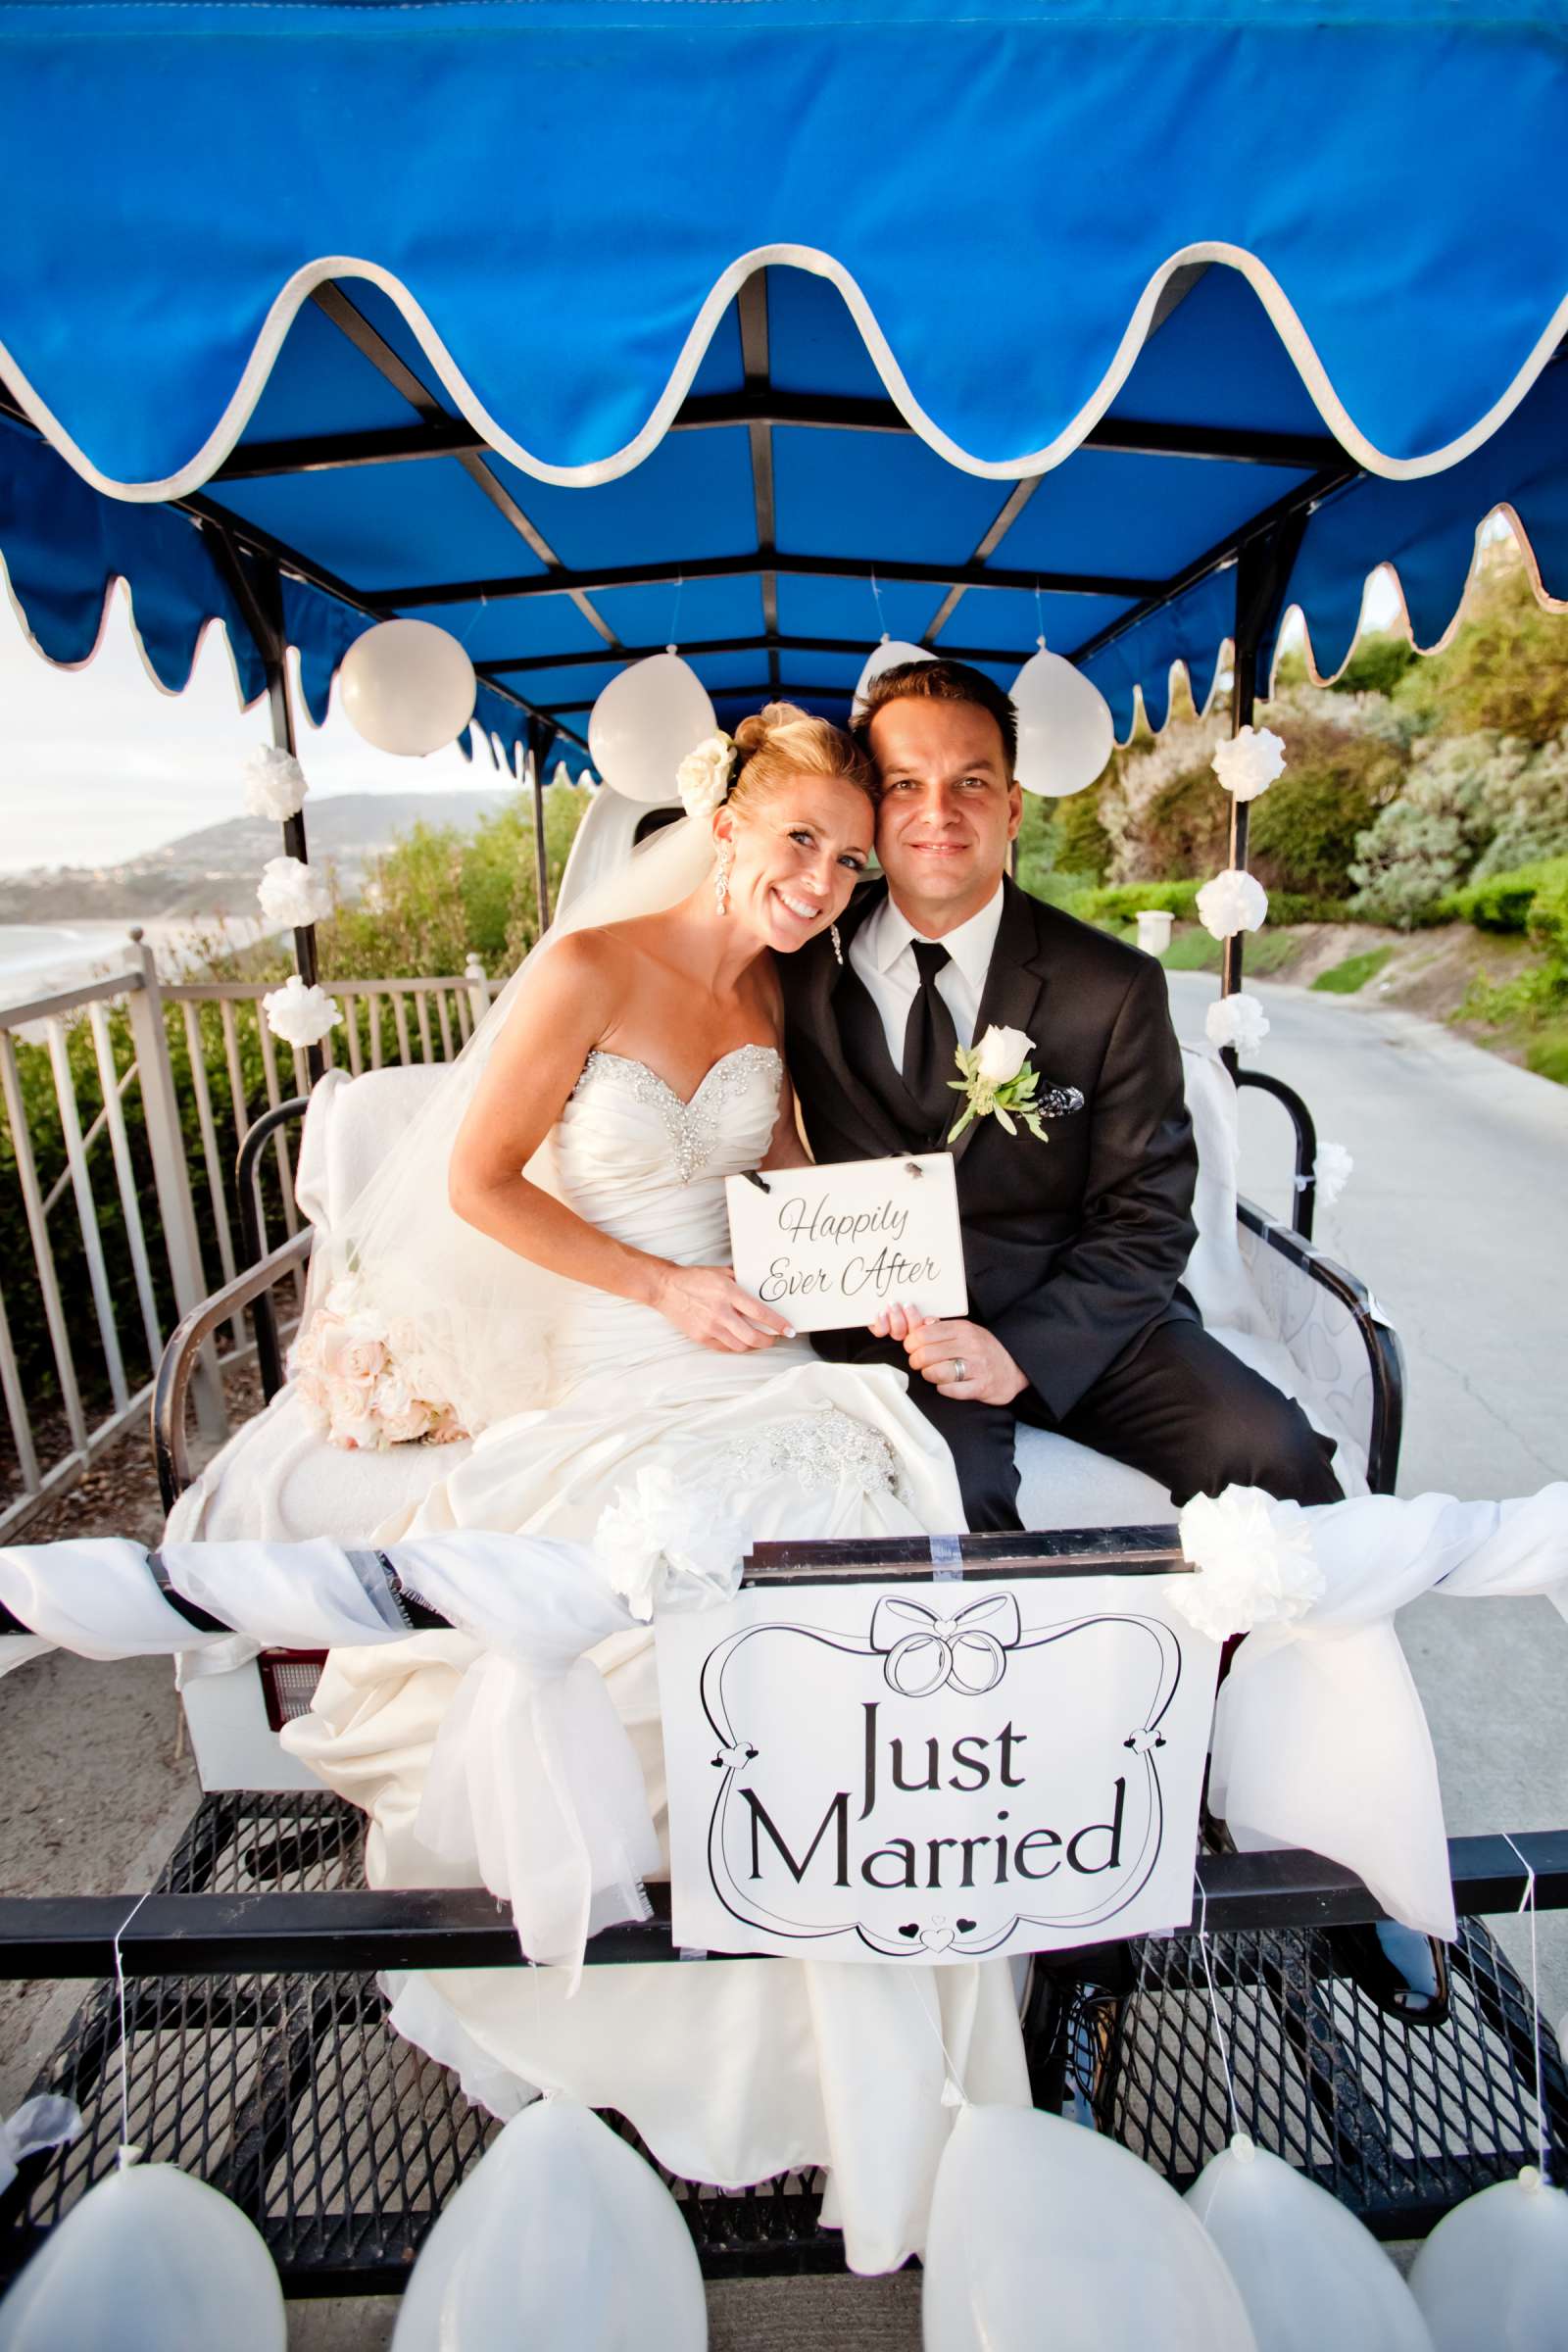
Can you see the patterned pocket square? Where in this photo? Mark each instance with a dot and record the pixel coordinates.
(1059, 1101)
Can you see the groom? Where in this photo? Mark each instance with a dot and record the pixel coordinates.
(1075, 1248)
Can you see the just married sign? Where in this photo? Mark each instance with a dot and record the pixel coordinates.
(834, 1245)
(933, 1770)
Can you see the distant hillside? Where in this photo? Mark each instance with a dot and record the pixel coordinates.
(215, 872)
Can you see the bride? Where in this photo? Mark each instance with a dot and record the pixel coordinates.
(579, 1318)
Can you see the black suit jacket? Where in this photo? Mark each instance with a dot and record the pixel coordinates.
(1073, 1247)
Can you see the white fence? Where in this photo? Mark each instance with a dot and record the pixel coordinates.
(124, 1103)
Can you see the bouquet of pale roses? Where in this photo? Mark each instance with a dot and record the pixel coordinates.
(360, 1377)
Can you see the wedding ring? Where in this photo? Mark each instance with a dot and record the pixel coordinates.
(961, 1370)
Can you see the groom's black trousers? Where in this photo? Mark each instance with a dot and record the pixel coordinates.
(1175, 1404)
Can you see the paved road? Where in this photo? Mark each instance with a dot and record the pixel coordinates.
(1455, 1216)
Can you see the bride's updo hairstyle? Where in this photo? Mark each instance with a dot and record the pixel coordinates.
(780, 742)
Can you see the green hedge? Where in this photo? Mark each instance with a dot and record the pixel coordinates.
(1504, 902)
(1121, 901)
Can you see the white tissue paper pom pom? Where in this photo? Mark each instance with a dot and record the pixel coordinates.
(292, 895)
(274, 783)
(1001, 1053)
(1233, 902)
(1333, 1170)
(1254, 1560)
(702, 776)
(1238, 1021)
(663, 1545)
(301, 1016)
(1249, 762)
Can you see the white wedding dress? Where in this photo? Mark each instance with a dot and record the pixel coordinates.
(733, 2071)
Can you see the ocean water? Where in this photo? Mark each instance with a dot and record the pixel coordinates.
(37, 958)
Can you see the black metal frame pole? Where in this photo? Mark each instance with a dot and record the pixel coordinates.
(1262, 575)
(259, 594)
(541, 735)
(267, 1931)
(281, 703)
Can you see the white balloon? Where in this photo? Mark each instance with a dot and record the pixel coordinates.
(1494, 2270)
(1065, 734)
(149, 2261)
(407, 687)
(1309, 2274)
(562, 2236)
(645, 722)
(891, 653)
(1041, 2232)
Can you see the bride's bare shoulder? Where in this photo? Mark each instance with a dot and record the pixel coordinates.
(611, 951)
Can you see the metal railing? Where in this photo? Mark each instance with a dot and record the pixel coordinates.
(123, 1105)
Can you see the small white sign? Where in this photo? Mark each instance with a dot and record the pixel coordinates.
(832, 1247)
(933, 1770)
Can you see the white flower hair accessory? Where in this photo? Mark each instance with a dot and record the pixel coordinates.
(1254, 1560)
(1239, 1022)
(1233, 902)
(301, 1016)
(274, 784)
(665, 1547)
(703, 775)
(1249, 762)
(292, 895)
(1332, 1171)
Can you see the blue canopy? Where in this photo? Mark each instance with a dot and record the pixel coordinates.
(765, 325)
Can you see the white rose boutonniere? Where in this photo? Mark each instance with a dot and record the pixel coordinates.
(997, 1082)
(702, 776)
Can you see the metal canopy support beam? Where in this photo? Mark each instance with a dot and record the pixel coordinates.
(763, 688)
(752, 311)
(785, 642)
(439, 435)
(1011, 507)
(747, 566)
(351, 322)
(1299, 503)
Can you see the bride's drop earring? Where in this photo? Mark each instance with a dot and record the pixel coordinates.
(721, 879)
(838, 943)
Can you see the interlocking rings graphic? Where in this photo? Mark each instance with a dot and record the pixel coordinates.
(922, 1651)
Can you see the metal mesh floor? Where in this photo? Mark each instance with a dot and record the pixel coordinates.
(1397, 2123)
(291, 2094)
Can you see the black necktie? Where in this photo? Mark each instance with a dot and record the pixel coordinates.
(931, 1042)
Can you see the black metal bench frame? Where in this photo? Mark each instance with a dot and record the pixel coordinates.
(260, 2057)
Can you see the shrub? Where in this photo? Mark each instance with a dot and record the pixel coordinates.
(1506, 669)
(1503, 902)
(1120, 902)
(1347, 978)
(1082, 846)
(1306, 827)
(1376, 665)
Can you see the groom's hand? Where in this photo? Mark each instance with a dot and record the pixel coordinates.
(936, 1346)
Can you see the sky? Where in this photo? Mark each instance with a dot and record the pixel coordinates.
(98, 765)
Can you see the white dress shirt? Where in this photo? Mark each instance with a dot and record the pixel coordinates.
(881, 955)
